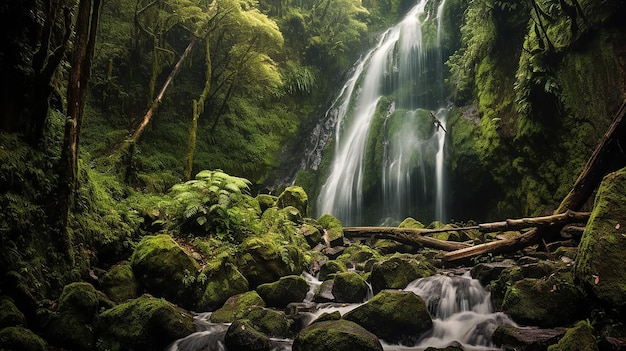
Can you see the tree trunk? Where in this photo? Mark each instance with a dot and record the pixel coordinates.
(81, 59)
(409, 236)
(135, 134)
(608, 156)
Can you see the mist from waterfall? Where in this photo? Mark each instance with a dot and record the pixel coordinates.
(389, 143)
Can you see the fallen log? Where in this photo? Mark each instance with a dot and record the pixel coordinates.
(410, 236)
(414, 236)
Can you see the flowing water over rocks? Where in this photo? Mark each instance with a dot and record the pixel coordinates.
(460, 307)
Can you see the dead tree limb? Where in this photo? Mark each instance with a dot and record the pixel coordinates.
(608, 156)
(409, 236)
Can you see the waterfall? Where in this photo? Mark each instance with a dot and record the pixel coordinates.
(462, 312)
(389, 141)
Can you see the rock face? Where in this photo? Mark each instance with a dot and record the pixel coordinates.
(294, 196)
(73, 327)
(578, 338)
(514, 338)
(222, 284)
(392, 273)
(336, 335)
(395, 316)
(236, 306)
(264, 260)
(544, 302)
(241, 336)
(600, 267)
(160, 266)
(349, 287)
(284, 291)
(145, 323)
(119, 283)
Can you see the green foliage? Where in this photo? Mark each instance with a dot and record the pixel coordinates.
(214, 204)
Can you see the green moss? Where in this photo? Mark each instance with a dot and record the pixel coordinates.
(404, 314)
(20, 338)
(221, 284)
(294, 196)
(145, 323)
(73, 327)
(119, 283)
(10, 315)
(599, 265)
(339, 335)
(578, 338)
(333, 227)
(237, 306)
(270, 322)
(331, 267)
(163, 268)
(288, 289)
(349, 287)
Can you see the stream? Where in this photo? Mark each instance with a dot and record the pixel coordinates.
(460, 307)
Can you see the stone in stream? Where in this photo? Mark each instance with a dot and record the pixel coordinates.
(292, 288)
(394, 316)
(349, 287)
(336, 335)
(527, 339)
(236, 306)
(241, 336)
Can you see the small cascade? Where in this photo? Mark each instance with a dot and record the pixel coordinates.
(462, 312)
(390, 121)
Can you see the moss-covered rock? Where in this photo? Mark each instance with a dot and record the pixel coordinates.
(286, 290)
(311, 233)
(220, 285)
(393, 273)
(73, 326)
(336, 335)
(119, 283)
(294, 196)
(145, 323)
(266, 201)
(349, 287)
(395, 316)
(20, 338)
(269, 322)
(578, 338)
(544, 302)
(333, 227)
(236, 306)
(600, 267)
(411, 223)
(163, 268)
(10, 315)
(242, 336)
(331, 267)
(265, 259)
(357, 255)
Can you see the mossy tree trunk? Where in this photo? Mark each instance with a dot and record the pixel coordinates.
(81, 60)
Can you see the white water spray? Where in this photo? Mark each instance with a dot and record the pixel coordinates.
(401, 77)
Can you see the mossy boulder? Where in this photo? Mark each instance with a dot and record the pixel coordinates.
(394, 273)
(145, 323)
(331, 267)
(220, 285)
(550, 302)
(600, 267)
(20, 338)
(237, 306)
(333, 228)
(395, 316)
(411, 223)
(336, 335)
(311, 233)
(510, 337)
(265, 259)
(294, 196)
(349, 287)
(242, 336)
(578, 338)
(266, 201)
(270, 322)
(73, 326)
(10, 315)
(162, 267)
(286, 290)
(357, 255)
(119, 283)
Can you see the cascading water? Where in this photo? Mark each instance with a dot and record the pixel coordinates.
(462, 312)
(390, 128)
(460, 307)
